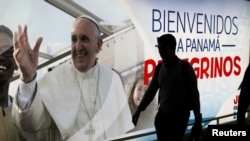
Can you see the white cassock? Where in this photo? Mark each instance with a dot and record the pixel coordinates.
(83, 106)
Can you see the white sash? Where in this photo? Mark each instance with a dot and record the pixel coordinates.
(114, 116)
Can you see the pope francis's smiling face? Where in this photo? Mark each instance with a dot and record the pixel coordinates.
(85, 44)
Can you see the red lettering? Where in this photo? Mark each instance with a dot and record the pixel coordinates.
(218, 67)
(228, 67)
(148, 73)
(236, 100)
(212, 68)
(237, 66)
(203, 67)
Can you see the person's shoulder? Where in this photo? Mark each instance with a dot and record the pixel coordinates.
(159, 65)
(157, 68)
(186, 64)
(184, 61)
(110, 74)
(187, 69)
(105, 68)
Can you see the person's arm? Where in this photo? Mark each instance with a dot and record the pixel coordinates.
(25, 94)
(193, 88)
(149, 94)
(28, 111)
(196, 131)
(151, 91)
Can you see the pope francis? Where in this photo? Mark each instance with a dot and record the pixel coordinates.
(80, 100)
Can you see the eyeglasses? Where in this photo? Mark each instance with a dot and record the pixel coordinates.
(9, 52)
